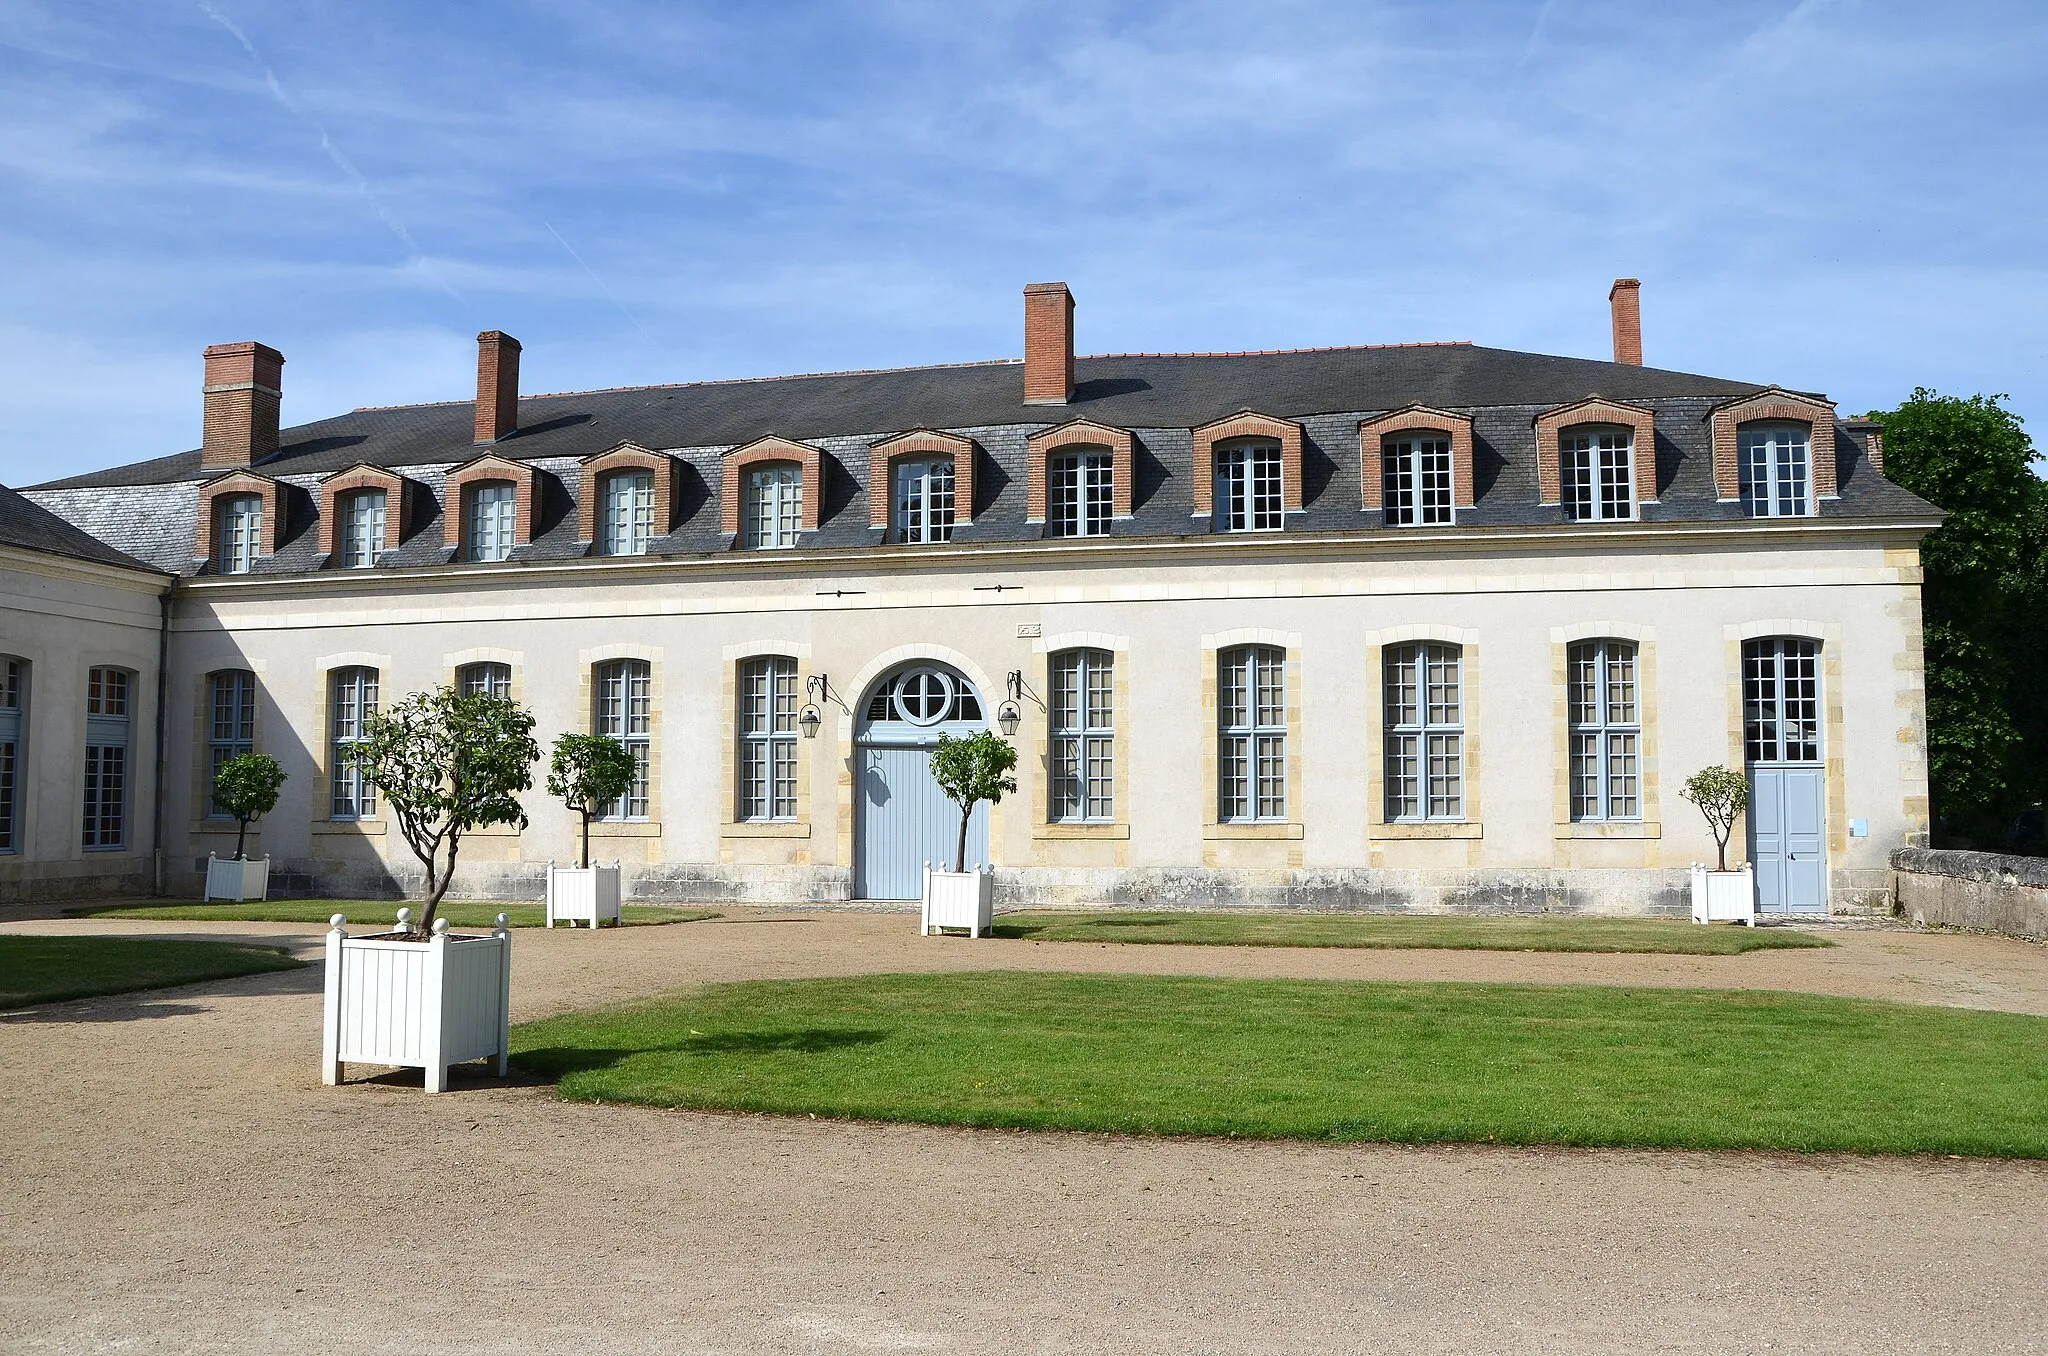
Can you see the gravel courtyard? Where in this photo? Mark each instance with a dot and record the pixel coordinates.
(180, 1181)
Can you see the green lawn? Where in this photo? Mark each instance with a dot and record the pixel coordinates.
(50, 969)
(1325, 1060)
(1457, 933)
(360, 912)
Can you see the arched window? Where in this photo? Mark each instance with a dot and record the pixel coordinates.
(491, 517)
(13, 738)
(1083, 738)
(767, 789)
(1252, 735)
(106, 757)
(1781, 700)
(924, 696)
(354, 701)
(626, 527)
(486, 679)
(774, 508)
(1078, 492)
(1425, 732)
(1776, 479)
(1606, 730)
(362, 528)
(624, 694)
(232, 697)
(1416, 471)
(237, 532)
(924, 499)
(1250, 494)
(1596, 467)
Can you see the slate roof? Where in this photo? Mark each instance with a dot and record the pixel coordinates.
(31, 527)
(1160, 398)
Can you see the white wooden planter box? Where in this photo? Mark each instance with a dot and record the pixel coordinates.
(1723, 896)
(583, 894)
(227, 878)
(958, 899)
(419, 1005)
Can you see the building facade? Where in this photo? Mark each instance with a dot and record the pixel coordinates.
(1401, 627)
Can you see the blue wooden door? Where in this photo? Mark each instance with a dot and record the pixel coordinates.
(1788, 837)
(902, 818)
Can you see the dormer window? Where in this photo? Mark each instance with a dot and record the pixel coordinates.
(774, 510)
(1775, 470)
(1079, 498)
(1597, 467)
(627, 527)
(1417, 479)
(1250, 494)
(362, 528)
(491, 516)
(238, 532)
(924, 499)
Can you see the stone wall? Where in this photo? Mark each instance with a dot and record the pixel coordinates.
(1984, 891)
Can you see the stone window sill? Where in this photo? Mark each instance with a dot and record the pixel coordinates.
(625, 828)
(1083, 831)
(374, 827)
(1648, 828)
(1254, 831)
(765, 829)
(1435, 829)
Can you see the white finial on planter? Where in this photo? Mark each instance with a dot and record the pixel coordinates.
(440, 926)
(405, 920)
(336, 922)
(504, 924)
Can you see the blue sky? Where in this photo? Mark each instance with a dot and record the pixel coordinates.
(1836, 196)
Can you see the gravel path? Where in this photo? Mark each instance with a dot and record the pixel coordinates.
(182, 1182)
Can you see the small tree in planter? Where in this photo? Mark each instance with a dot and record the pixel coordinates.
(246, 786)
(447, 763)
(588, 772)
(1721, 796)
(970, 771)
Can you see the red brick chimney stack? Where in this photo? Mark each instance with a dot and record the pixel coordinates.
(497, 385)
(1625, 299)
(1048, 344)
(243, 390)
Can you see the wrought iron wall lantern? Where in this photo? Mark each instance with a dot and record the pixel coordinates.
(819, 687)
(1009, 715)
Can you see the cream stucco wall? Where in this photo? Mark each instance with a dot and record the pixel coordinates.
(1163, 609)
(64, 616)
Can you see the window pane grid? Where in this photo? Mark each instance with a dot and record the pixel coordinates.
(1423, 688)
(239, 533)
(362, 528)
(628, 527)
(625, 712)
(924, 500)
(1252, 743)
(768, 739)
(1078, 502)
(1415, 480)
(485, 680)
(1602, 707)
(1249, 487)
(1774, 464)
(774, 507)
(1597, 472)
(1083, 746)
(234, 727)
(353, 795)
(491, 511)
(1781, 700)
(11, 675)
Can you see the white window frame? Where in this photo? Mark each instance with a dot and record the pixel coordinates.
(1781, 700)
(1251, 721)
(774, 506)
(109, 735)
(1776, 465)
(925, 508)
(488, 678)
(1604, 715)
(1251, 487)
(1596, 467)
(238, 532)
(626, 517)
(14, 684)
(362, 527)
(352, 696)
(1079, 498)
(492, 518)
(1418, 479)
(623, 702)
(1423, 691)
(1082, 720)
(767, 735)
(231, 703)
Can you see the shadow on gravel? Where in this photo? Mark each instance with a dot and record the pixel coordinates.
(144, 1004)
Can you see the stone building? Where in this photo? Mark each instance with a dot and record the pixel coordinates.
(1429, 626)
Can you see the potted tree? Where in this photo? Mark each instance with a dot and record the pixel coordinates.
(419, 996)
(1721, 895)
(246, 786)
(969, 771)
(585, 773)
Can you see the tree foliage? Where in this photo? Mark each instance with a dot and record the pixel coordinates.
(588, 772)
(1721, 796)
(1985, 603)
(448, 763)
(970, 771)
(246, 786)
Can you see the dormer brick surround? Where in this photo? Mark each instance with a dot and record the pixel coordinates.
(1774, 404)
(401, 499)
(883, 456)
(626, 457)
(243, 392)
(1372, 436)
(769, 451)
(1551, 424)
(1247, 424)
(481, 470)
(1080, 433)
(233, 483)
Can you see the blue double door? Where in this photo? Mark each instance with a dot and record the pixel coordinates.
(1788, 837)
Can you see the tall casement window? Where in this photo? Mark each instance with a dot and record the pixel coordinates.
(924, 499)
(1251, 715)
(491, 519)
(625, 711)
(362, 528)
(1425, 729)
(233, 694)
(767, 789)
(1077, 493)
(774, 507)
(354, 701)
(1606, 730)
(1083, 739)
(1775, 471)
(626, 526)
(237, 532)
(106, 757)
(1597, 471)
(1415, 473)
(485, 680)
(13, 713)
(1249, 495)
(1781, 700)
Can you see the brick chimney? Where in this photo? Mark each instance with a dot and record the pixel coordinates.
(497, 385)
(1048, 344)
(243, 390)
(1625, 300)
